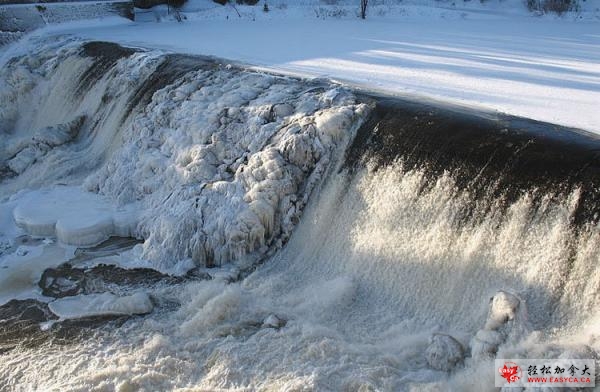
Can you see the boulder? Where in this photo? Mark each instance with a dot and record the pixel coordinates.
(444, 352)
(273, 321)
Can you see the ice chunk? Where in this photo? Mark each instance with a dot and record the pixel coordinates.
(43, 141)
(75, 217)
(334, 122)
(105, 304)
(506, 322)
(272, 321)
(21, 270)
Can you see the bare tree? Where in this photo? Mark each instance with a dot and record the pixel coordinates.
(363, 8)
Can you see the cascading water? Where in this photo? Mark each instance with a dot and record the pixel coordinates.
(418, 216)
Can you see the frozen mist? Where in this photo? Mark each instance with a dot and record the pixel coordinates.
(383, 245)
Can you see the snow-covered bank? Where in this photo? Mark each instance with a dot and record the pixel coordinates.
(16, 19)
(542, 68)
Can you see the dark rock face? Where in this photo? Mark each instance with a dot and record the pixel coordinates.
(20, 323)
(66, 280)
(29, 323)
(105, 56)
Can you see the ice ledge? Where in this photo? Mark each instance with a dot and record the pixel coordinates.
(73, 216)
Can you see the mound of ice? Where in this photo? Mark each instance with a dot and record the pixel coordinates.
(75, 217)
(223, 162)
(26, 152)
(506, 322)
(105, 304)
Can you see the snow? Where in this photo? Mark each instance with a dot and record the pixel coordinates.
(482, 56)
(105, 304)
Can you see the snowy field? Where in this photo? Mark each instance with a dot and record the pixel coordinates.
(504, 59)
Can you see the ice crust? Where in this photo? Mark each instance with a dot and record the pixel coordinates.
(105, 304)
(73, 216)
(223, 162)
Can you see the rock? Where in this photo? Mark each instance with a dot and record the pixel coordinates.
(30, 323)
(198, 273)
(62, 282)
(272, 321)
(444, 352)
(68, 281)
(485, 344)
(20, 323)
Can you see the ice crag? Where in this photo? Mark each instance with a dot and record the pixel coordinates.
(73, 216)
(223, 162)
(218, 161)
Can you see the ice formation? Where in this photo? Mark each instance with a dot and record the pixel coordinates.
(26, 152)
(506, 322)
(444, 352)
(223, 161)
(73, 216)
(220, 162)
(105, 304)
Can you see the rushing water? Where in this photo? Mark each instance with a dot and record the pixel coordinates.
(417, 217)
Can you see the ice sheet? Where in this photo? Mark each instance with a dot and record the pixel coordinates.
(105, 304)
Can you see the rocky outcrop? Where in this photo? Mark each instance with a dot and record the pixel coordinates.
(67, 280)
